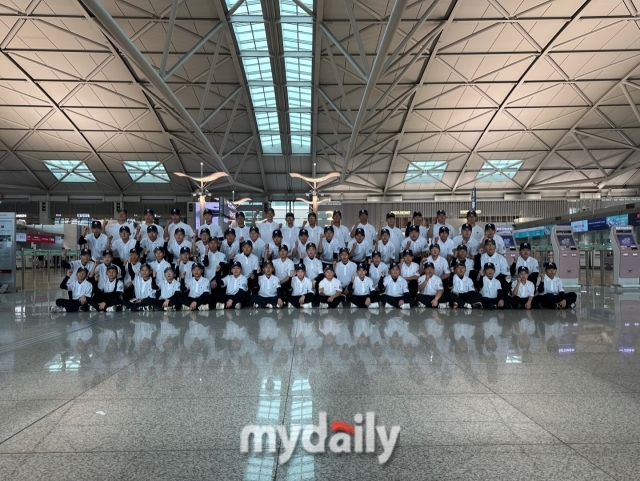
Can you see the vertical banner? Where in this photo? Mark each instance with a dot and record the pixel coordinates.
(8, 249)
(473, 199)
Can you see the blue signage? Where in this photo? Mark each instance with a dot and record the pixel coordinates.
(597, 224)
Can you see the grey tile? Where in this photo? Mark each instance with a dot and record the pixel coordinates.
(574, 418)
(427, 420)
(618, 460)
(18, 415)
(9, 463)
(143, 425)
(449, 463)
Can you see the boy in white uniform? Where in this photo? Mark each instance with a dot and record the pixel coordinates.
(522, 290)
(362, 292)
(430, 286)
(329, 290)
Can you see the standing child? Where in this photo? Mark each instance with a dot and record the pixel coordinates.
(159, 265)
(268, 286)
(446, 244)
(329, 247)
(122, 246)
(526, 259)
(441, 267)
(362, 292)
(97, 241)
(249, 262)
(461, 257)
(230, 246)
(214, 260)
(259, 245)
(179, 242)
(302, 295)
(81, 292)
(415, 243)
(313, 265)
(184, 265)
(431, 288)
(329, 290)
(300, 247)
(148, 244)
(377, 268)
(359, 247)
(523, 290)
(551, 292)
(490, 255)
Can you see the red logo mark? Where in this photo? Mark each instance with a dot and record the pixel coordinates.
(337, 426)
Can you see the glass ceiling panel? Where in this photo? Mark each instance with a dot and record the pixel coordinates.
(251, 36)
(299, 97)
(297, 37)
(70, 170)
(248, 7)
(263, 97)
(147, 172)
(425, 172)
(298, 69)
(499, 170)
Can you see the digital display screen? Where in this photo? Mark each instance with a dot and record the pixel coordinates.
(566, 241)
(580, 226)
(617, 220)
(626, 240)
(509, 241)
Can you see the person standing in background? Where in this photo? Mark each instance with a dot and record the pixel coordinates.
(340, 232)
(395, 234)
(441, 221)
(113, 229)
(477, 232)
(370, 232)
(268, 226)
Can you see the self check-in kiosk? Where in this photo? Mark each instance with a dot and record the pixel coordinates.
(626, 256)
(566, 255)
(511, 251)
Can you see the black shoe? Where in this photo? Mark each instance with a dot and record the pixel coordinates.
(477, 305)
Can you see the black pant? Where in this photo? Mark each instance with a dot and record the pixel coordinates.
(286, 287)
(519, 302)
(309, 297)
(94, 302)
(187, 300)
(359, 301)
(241, 297)
(488, 303)
(263, 301)
(72, 305)
(335, 303)
(413, 288)
(463, 298)
(157, 304)
(550, 300)
(506, 286)
(533, 277)
(395, 301)
(426, 300)
(129, 293)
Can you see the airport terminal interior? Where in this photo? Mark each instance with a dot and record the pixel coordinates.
(319, 239)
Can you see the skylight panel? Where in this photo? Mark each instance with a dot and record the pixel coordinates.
(300, 144)
(251, 36)
(300, 122)
(248, 7)
(70, 170)
(425, 172)
(257, 69)
(146, 172)
(289, 9)
(499, 170)
(298, 69)
(271, 143)
(267, 121)
(297, 37)
(299, 97)
(263, 97)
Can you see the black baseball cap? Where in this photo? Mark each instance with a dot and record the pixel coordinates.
(472, 212)
(124, 211)
(444, 228)
(441, 211)
(254, 228)
(490, 226)
(207, 211)
(363, 211)
(359, 230)
(96, 224)
(289, 214)
(276, 233)
(283, 247)
(247, 242)
(328, 267)
(236, 264)
(362, 266)
(328, 228)
(112, 267)
(159, 249)
(175, 211)
(525, 245)
(457, 263)
(205, 230)
(385, 230)
(80, 269)
(339, 212)
(230, 231)
(85, 251)
(417, 213)
(414, 228)
(428, 264)
(343, 249)
(376, 253)
(152, 228)
(550, 265)
(303, 232)
(489, 265)
(311, 244)
(240, 213)
(197, 264)
(390, 215)
(523, 269)
(134, 251)
(107, 252)
(434, 246)
(466, 225)
(125, 228)
(407, 252)
(393, 264)
(267, 263)
(462, 247)
(301, 267)
(185, 249)
(179, 229)
(312, 214)
(149, 211)
(489, 241)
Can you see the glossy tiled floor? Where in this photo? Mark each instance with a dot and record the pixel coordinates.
(485, 395)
